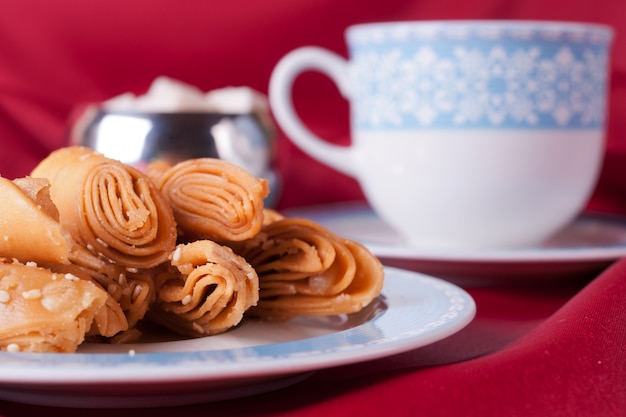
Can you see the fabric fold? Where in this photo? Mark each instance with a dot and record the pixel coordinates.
(206, 290)
(211, 198)
(304, 269)
(108, 207)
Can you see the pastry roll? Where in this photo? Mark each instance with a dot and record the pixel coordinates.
(206, 291)
(132, 289)
(43, 311)
(110, 208)
(110, 319)
(29, 223)
(212, 199)
(305, 270)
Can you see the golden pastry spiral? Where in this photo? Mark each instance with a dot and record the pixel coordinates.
(304, 269)
(110, 208)
(212, 199)
(206, 291)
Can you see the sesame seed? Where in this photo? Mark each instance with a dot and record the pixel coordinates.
(4, 296)
(102, 242)
(71, 277)
(31, 264)
(137, 292)
(32, 294)
(197, 328)
(186, 300)
(13, 347)
(176, 255)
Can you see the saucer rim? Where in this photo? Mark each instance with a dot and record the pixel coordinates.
(403, 251)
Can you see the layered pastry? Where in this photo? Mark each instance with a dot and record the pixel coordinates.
(108, 207)
(43, 311)
(211, 198)
(206, 290)
(89, 247)
(131, 289)
(32, 235)
(29, 223)
(304, 269)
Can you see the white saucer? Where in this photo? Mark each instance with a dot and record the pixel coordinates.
(414, 310)
(584, 248)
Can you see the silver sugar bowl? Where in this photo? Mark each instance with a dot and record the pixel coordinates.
(140, 137)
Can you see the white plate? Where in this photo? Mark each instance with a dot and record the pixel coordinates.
(585, 247)
(414, 310)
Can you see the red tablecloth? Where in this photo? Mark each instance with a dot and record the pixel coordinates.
(541, 351)
(550, 348)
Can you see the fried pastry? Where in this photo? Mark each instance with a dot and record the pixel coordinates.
(212, 199)
(206, 290)
(304, 269)
(110, 319)
(29, 223)
(132, 289)
(43, 311)
(108, 207)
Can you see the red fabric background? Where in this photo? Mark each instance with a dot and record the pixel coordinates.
(543, 350)
(58, 54)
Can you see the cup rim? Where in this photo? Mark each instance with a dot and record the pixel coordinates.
(508, 25)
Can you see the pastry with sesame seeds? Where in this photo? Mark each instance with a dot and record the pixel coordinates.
(43, 311)
(108, 207)
(206, 290)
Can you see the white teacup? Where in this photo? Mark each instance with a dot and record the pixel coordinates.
(465, 134)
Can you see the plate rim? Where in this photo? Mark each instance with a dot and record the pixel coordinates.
(76, 368)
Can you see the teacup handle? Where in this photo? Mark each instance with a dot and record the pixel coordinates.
(281, 83)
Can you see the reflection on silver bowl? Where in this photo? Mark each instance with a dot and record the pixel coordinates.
(138, 138)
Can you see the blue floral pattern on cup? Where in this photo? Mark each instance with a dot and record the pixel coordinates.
(493, 76)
